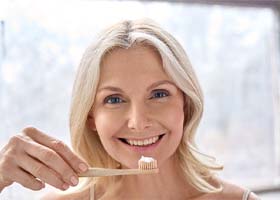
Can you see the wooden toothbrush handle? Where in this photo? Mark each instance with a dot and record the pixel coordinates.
(97, 172)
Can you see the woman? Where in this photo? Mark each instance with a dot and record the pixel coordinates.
(135, 94)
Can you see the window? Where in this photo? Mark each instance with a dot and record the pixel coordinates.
(234, 50)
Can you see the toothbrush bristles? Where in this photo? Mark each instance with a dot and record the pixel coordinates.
(146, 163)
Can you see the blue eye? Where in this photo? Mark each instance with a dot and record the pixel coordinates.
(113, 100)
(160, 94)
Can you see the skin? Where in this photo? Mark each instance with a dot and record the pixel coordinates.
(32, 154)
(143, 109)
(149, 105)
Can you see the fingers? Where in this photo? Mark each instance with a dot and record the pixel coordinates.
(35, 158)
(42, 172)
(58, 146)
(53, 162)
(27, 180)
(10, 171)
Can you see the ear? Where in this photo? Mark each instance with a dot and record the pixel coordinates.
(90, 122)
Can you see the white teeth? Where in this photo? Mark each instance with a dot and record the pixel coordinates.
(146, 142)
(143, 142)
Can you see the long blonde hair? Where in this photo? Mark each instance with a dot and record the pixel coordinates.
(197, 167)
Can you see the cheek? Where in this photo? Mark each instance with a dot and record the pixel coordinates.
(172, 115)
(107, 122)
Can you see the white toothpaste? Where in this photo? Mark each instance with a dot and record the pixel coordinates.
(146, 159)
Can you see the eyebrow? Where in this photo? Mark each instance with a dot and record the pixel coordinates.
(116, 89)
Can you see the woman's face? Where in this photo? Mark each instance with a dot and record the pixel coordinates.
(138, 109)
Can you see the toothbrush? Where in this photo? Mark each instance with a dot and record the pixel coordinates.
(146, 165)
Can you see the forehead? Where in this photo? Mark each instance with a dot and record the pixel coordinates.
(135, 63)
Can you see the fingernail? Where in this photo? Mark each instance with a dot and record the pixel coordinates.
(65, 186)
(74, 180)
(83, 167)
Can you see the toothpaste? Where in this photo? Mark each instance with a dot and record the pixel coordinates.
(146, 159)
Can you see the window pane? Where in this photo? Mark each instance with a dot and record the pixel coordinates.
(231, 48)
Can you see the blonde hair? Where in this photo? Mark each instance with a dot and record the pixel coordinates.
(197, 167)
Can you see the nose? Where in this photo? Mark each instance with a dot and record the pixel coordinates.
(139, 119)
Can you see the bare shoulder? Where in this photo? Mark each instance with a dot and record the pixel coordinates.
(84, 195)
(253, 196)
(234, 192)
(229, 192)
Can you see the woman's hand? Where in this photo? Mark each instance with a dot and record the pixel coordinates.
(34, 158)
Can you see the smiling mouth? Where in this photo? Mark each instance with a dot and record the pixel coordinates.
(143, 142)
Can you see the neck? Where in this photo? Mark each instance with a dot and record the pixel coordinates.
(169, 183)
